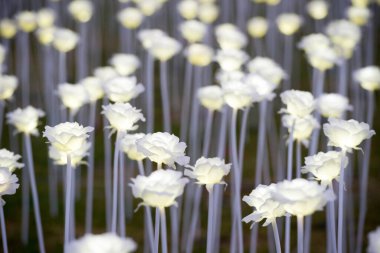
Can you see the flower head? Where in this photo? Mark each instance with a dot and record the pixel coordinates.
(65, 40)
(122, 116)
(222, 76)
(125, 64)
(130, 17)
(317, 9)
(288, 23)
(60, 158)
(188, 8)
(8, 28)
(262, 88)
(148, 7)
(25, 120)
(45, 18)
(81, 10)
(73, 96)
(374, 241)
(164, 48)
(267, 69)
(8, 85)
(302, 127)
(332, 105)
(8, 183)
(94, 88)
(238, 95)
(257, 27)
(199, 54)
(208, 12)
(45, 35)
(148, 36)
(231, 59)
(229, 37)
(368, 77)
(129, 146)
(27, 21)
(211, 97)
(193, 30)
(9, 160)
(105, 73)
(298, 103)
(122, 89)
(358, 15)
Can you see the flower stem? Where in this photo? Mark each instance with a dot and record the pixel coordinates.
(122, 196)
(157, 231)
(194, 220)
(298, 156)
(300, 234)
(342, 88)
(332, 225)
(185, 110)
(261, 142)
(149, 93)
(289, 177)
(68, 203)
(141, 168)
(207, 136)
(276, 236)
(164, 241)
(341, 207)
(148, 219)
(242, 138)
(115, 182)
(210, 221)
(2, 108)
(165, 96)
(3, 228)
(107, 170)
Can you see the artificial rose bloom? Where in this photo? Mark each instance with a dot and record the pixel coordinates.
(267, 69)
(123, 89)
(45, 18)
(9, 160)
(265, 206)
(60, 158)
(358, 15)
(208, 171)
(238, 95)
(360, 3)
(65, 40)
(193, 30)
(81, 10)
(231, 59)
(8, 28)
(298, 103)
(165, 48)
(45, 35)
(262, 88)
(303, 127)
(332, 105)
(160, 188)
(313, 42)
(323, 58)
(122, 116)
(73, 96)
(368, 77)
(125, 64)
(103, 243)
(148, 36)
(94, 88)
(325, 167)
(257, 27)
(273, 2)
(188, 9)
(288, 23)
(208, 12)
(8, 183)
(25, 120)
(163, 148)
(105, 73)
(26, 21)
(8, 85)
(130, 17)
(317, 9)
(128, 145)
(301, 197)
(200, 54)
(229, 36)
(346, 134)
(211, 97)
(229, 76)
(374, 241)
(67, 137)
(148, 7)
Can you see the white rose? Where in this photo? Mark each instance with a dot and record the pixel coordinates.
(313, 42)
(229, 76)
(94, 88)
(262, 88)
(160, 188)
(125, 64)
(267, 69)
(67, 137)
(25, 120)
(163, 148)
(231, 59)
(374, 241)
(128, 145)
(8, 85)
(317, 9)
(8, 28)
(26, 21)
(103, 243)
(45, 35)
(60, 158)
(193, 30)
(298, 103)
(45, 18)
(368, 77)
(323, 58)
(9, 160)
(122, 89)
(188, 8)
(148, 7)
(238, 95)
(73, 96)
(65, 40)
(148, 36)
(8, 183)
(288, 23)
(130, 17)
(164, 48)
(346, 134)
(208, 12)
(122, 116)
(208, 171)
(81, 10)
(332, 105)
(358, 15)
(229, 36)
(105, 73)
(199, 54)
(257, 27)
(303, 127)
(211, 97)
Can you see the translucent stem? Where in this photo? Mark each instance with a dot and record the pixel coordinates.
(210, 221)
(115, 182)
(300, 234)
(341, 207)
(157, 231)
(165, 96)
(164, 240)
(68, 203)
(3, 228)
(276, 236)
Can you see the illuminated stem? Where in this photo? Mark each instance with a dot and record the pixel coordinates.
(341, 207)
(186, 98)
(332, 224)
(299, 234)
(68, 203)
(276, 236)
(165, 96)
(157, 231)
(210, 221)
(164, 240)
(107, 171)
(3, 228)
(149, 93)
(115, 182)
(122, 196)
(289, 177)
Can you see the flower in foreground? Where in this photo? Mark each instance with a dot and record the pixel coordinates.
(8, 183)
(368, 77)
(160, 188)
(105, 73)
(25, 120)
(122, 116)
(374, 241)
(298, 103)
(122, 89)
(332, 105)
(9, 160)
(128, 145)
(94, 88)
(8, 85)
(263, 89)
(165, 48)
(211, 97)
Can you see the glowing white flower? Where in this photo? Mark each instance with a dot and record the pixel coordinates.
(358, 15)
(346, 134)
(25, 120)
(65, 40)
(128, 145)
(122, 117)
(8, 28)
(103, 243)
(298, 103)
(123, 89)
(231, 59)
(60, 158)
(67, 137)
(148, 36)
(45, 18)
(148, 7)
(125, 64)
(229, 36)
(317, 9)
(73, 96)
(105, 73)
(262, 88)
(26, 21)
(208, 12)
(8, 85)
(360, 3)
(288, 23)
(81, 10)
(267, 69)
(323, 58)
(199, 54)
(302, 127)
(238, 95)
(8, 183)
(130, 17)
(332, 105)
(163, 148)
(374, 241)
(188, 8)
(211, 97)
(229, 76)
(313, 42)
(45, 35)
(160, 188)
(94, 88)
(193, 30)
(273, 2)
(164, 48)
(9, 160)
(257, 27)
(368, 77)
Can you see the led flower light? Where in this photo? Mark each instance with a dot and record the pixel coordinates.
(208, 171)
(267, 69)
(238, 95)
(332, 105)
(208, 12)
(45, 18)
(129, 145)
(317, 9)
(313, 42)
(105, 73)
(188, 8)
(288, 23)
(229, 36)
(325, 167)
(273, 2)
(8, 184)
(193, 30)
(160, 188)
(164, 48)
(374, 241)
(81, 10)
(130, 17)
(125, 64)
(25, 120)
(67, 137)
(65, 40)
(211, 97)
(26, 21)
(368, 77)
(8, 85)
(122, 117)
(360, 3)
(2, 54)
(262, 88)
(358, 15)
(76, 157)
(8, 28)
(9, 160)
(103, 243)
(257, 27)
(301, 128)
(73, 96)
(229, 76)
(148, 36)
(346, 134)
(298, 103)
(122, 89)
(323, 58)
(148, 7)
(199, 54)
(45, 35)
(163, 148)
(94, 88)
(231, 59)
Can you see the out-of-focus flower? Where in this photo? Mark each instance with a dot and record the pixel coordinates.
(360, 3)
(317, 9)
(229, 36)
(346, 134)
(262, 88)
(9, 159)
(45, 18)
(313, 42)
(257, 27)
(130, 17)
(94, 88)
(208, 12)
(65, 40)
(211, 97)
(123, 89)
(128, 145)
(332, 105)
(8, 183)
(368, 77)
(358, 15)
(323, 58)
(199, 54)
(163, 148)
(273, 2)
(188, 9)
(267, 69)
(122, 116)
(105, 73)
(73, 96)
(148, 7)
(288, 23)
(81, 10)
(229, 76)
(164, 48)
(148, 36)
(125, 64)
(26, 21)
(45, 35)
(231, 59)
(60, 158)
(8, 28)
(298, 103)
(374, 241)
(193, 30)
(302, 127)
(160, 188)
(8, 85)
(25, 120)
(238, 95)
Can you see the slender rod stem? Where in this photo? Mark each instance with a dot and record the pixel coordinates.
(341, 207)
(332, 225)
(115, 182)
(300, 234)
(68, 203)
(149, 93)
(164, 240)
(298, 158)
(210, 221)
(157, 231)
(207, 138)
(289, 177)
(3, 228)
(276, 237)
(165, 95)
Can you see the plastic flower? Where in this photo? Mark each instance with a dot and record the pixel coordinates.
(9, 160)
(160, 188)
(199, 54)
(211, 97)
(130, 17)
(125, 64)
(313, 42)
(358, 15)
(45, 18)
(374, 241)
(122, 89)
(303, 127)
(229, 76)
(163, 148)
(148, 7)
(323, 58)
(60, 158)
(81, 10)
(238, 95)
(325, 167)
(73, 96)
(257, 27)
(164, 48)
(105, 73)
(128, 145)
(267, 69)
(346, 134)
(148, 36)
(193, 30)
(231, 59)
(8, 183)
(25, 120)
(45, 35)
(229, 36)
(332, 105)
(103, 243)
(208, 12)
(288, 23)
(65, 40)
(8, 28)
(188, 8)
(26, 21)
(262, 88)
(298, 103)
(122, 116)
(265, 207)
(8, 85)
(368, 77)
(68, 137)
(94, 88)
(317, 9)
(360, 3)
